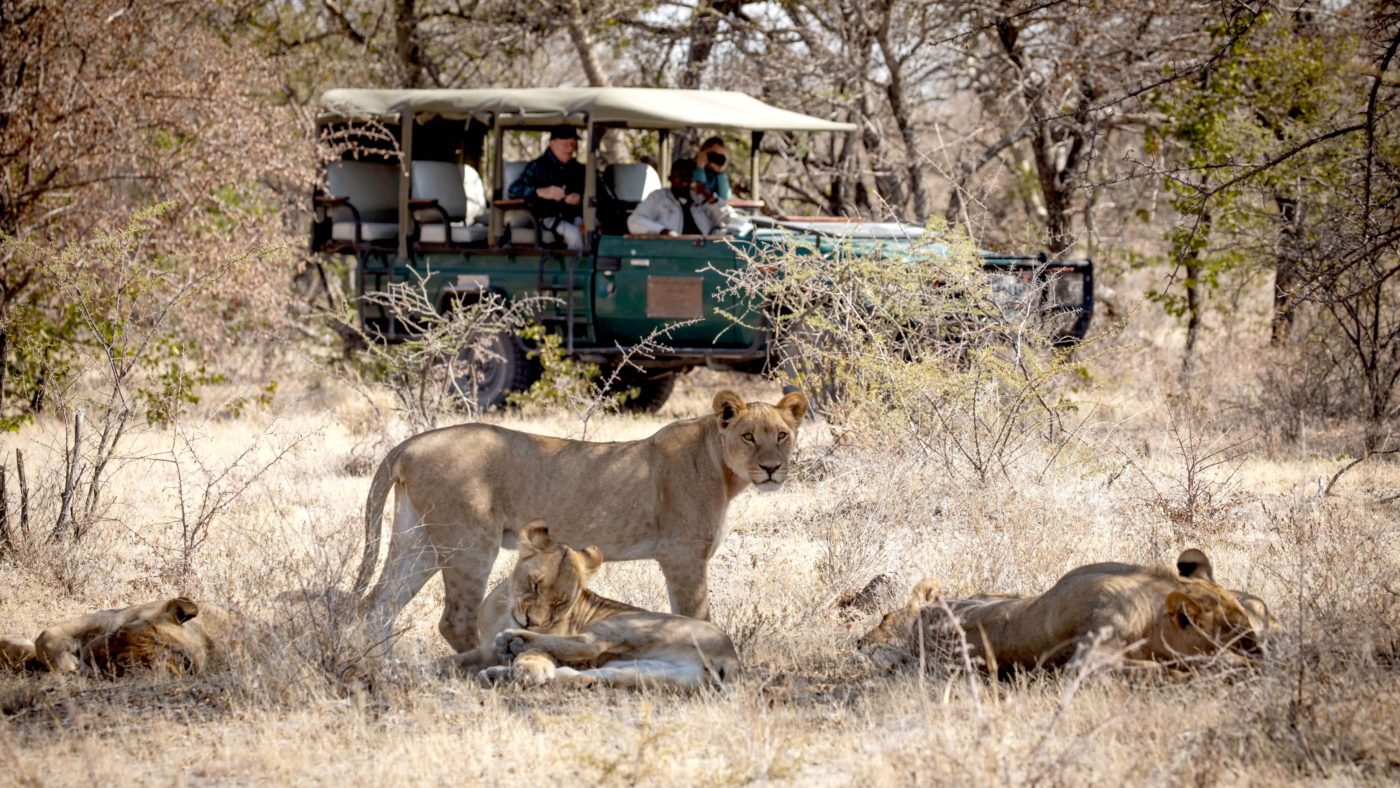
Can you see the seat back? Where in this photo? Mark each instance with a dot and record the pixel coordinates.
(512, 171)
(632, 182)
(441, 181)
(372, 187)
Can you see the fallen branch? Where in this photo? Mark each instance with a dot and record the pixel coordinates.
(1365, 455)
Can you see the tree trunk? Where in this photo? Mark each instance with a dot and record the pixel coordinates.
(704, 32)
(407, 45)
(1286, 267)
(612, 148)
(894, 93)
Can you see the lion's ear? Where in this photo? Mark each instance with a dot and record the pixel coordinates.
(1182, 609)
(180, 609)
(1194, 563)
(728, 405)
(795, 406)
(925, 593)
(535, 534)
(591, 558)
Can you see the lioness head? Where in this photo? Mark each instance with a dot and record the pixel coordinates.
(1195, 563)
(758, 437)
(888, 644)
(159, 641)
(1201, 618)
(548, 579)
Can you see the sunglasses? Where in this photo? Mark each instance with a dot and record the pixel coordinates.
(717, 159)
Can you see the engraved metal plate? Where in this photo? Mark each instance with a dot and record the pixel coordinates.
(675, 296)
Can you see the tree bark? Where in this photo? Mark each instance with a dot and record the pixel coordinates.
(407, 45)
(1287, 267)
(899, 108)
(582, 37)
(704, 32)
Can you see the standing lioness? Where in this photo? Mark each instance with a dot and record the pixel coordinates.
(460, 493)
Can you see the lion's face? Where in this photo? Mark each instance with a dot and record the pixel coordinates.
(758, 438)
(548, 579)
(1202, 617)
(161, 641)
(887, 646)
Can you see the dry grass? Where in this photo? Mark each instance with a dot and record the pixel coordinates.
(296, 708)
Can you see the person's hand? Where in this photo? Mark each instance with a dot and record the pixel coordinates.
(704, 191)
(669, 231)
(550, 192)
(572, 199)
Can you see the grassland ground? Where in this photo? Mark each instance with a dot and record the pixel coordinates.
(301, 704)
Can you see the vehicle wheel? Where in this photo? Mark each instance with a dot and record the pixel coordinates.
(485, 376)
(653, 391)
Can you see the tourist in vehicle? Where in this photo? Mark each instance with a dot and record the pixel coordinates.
(552, 186)
(687, 208)
(712, 167)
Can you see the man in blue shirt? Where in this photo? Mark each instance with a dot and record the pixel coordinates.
(552, 186)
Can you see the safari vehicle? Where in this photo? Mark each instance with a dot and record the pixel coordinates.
(407, 196)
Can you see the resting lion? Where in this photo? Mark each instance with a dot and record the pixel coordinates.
(172, 634)
(543, 624)
(1152, 616)
(460, 493)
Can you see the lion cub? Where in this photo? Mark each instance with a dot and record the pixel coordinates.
(544, 625)
(1152, 616)
(173, 634)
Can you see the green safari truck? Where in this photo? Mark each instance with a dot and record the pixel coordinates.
(416, 186)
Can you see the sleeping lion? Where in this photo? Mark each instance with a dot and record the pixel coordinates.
(175, 635)
(543, 625)
(1151, 616)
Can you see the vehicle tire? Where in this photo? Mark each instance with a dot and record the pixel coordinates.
(485, 379)
(653, 390)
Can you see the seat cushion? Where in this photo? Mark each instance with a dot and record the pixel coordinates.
(511, 171)
(525, 236)
(441, 181)
(632, 182)
(461, 234)
(369, 231)
(372, 187)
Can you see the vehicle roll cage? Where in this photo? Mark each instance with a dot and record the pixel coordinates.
(596, 110)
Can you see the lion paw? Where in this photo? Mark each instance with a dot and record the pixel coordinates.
(511, 643)
(495, 676)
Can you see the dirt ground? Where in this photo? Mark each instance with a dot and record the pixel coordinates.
(1323, 706)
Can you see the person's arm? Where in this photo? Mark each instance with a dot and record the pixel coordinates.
(718, 213)
(722, 185)
(646, 217)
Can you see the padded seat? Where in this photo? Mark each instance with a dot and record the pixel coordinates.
(370, 191)
(632, 182)
(457, 194)
(461, 234)
(369, 231)
(624, 187)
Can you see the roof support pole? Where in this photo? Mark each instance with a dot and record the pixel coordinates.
(663, 142)
(498, 177)
(755, 142)
(405, 168)
(590, 183)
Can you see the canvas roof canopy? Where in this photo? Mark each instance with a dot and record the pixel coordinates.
(647, 108)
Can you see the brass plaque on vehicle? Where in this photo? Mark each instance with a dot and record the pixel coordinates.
(675, 296)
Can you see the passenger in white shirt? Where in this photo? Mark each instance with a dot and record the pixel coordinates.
(687, 208)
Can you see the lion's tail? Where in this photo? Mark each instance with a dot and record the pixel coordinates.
(384, 479)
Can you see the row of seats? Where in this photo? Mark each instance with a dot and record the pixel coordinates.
(449, 205)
